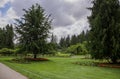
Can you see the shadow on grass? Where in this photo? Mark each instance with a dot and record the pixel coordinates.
(27, 60)
(97, 64)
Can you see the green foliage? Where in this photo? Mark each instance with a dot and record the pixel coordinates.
(6, 51)
(105, 30)
(68, 41)
(6, 37)
(33, 30)
(73, 40)
(86, 63)
(60, 54)
(78, 49)
(62, 43)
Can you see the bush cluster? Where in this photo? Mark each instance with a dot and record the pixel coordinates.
(7, 52)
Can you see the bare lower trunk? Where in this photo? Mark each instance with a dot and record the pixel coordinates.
(114, 60)
(35, 55)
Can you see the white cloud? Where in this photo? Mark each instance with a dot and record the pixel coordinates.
(75, 28)
(71, 1)
(11, 14)
(3, 2)
(69, 16)
(8, 18)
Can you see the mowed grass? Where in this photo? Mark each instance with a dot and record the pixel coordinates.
(63, 68)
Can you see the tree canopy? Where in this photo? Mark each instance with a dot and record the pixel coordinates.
(6, 37)
(33, 30)
(105, 30)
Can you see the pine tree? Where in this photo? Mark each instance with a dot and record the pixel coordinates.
(53, 42)
(33, 29)
(105, 30)
(6, 37)
(81, 37)
(62, 42)
(74, 40)
(9, 36)
(53, 39)
(67, 41)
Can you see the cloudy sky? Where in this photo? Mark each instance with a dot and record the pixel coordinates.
(69, 16)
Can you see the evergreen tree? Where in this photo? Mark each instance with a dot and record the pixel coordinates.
(6, 37)
(67, 41)
(105, 30)
(53, 42)
(81, 37)
(9, 36)
(74, 40)
(1, 38)
(33, 29)
(62, 43)
(53, 39)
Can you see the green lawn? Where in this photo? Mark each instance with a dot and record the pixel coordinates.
(63, 68)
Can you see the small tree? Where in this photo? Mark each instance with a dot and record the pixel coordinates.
(67, 41)
(62, 43)
(74, 40)
(33, 29)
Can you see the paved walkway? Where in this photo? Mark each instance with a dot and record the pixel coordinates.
(7, 73)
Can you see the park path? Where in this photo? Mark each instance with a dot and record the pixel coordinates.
(7, 73)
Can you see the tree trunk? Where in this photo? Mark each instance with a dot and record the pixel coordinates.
(114, 60)
(35, 55)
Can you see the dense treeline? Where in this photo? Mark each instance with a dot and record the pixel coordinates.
(6, 37)
(74, 39)
(33, 30)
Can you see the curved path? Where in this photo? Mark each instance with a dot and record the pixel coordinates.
(7, 73)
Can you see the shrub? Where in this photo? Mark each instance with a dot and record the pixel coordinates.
(86, 63)
(59, 54)
(78, 49)
(6, 51)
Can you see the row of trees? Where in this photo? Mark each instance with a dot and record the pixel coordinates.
(6, 37)
(74, 39)
(104, 36)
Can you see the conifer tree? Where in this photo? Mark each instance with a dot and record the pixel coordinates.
(67, 41)
(33, 30)
(6, 37)
(9, 36)
(62, 42)
(74, 40)
(105, 30)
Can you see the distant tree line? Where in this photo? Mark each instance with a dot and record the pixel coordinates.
(73, 40)
(33, 29)
(6, 37)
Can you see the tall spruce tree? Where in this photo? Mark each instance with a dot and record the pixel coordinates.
(53, 39)
(81, 37)
(33, 30)
(74, 40)
(67, 41)
(105, 30)
(9, 36)
(53, 42)
(62, 42)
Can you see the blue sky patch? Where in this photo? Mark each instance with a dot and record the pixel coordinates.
(5, 8)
